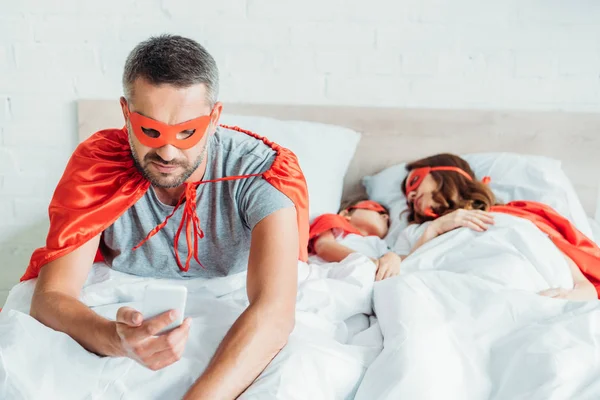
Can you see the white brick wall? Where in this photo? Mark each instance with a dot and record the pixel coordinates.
(540, 54)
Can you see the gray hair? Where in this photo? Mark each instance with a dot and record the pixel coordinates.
(173, 60)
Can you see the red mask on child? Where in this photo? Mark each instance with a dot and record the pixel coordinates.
(159, 134)
(368, 205)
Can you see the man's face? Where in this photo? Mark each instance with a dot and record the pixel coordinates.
(169, 166)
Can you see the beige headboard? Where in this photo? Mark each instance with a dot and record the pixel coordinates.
(393, 135)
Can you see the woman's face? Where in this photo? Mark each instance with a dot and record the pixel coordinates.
(421, 197)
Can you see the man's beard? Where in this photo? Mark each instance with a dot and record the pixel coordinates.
(165, 180)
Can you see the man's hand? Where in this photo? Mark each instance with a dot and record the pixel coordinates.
(388, 266)
(138, 341)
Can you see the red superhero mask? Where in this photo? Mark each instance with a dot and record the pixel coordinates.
(417, 175)
(157, 134)
(368, 205)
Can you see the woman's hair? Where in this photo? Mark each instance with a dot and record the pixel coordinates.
(454, 191)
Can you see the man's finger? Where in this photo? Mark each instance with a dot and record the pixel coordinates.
(155, 324)
(162, 359)
(147, 329)
(174, 338)
(129, 316)
(168, 356)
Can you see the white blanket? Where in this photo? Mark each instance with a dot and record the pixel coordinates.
(327, 354)
(463, 322)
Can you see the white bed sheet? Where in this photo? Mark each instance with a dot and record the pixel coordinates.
(331, 347)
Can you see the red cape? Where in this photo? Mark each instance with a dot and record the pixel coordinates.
(327, 222)
(101, 182)
(583, 251)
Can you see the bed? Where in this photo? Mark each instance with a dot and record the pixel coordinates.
(339, 349)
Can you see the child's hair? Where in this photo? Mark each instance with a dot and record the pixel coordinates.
(454, 191)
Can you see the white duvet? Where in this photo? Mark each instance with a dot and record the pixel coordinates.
(327, 354)
(463, 322)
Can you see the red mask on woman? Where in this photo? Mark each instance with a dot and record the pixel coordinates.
(417, 175)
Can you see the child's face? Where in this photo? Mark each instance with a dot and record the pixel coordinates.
(368, 222)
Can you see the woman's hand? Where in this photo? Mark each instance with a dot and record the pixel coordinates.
(578, 293)
(475, 219)
(555, 293)
(583, 289)
(388, 266)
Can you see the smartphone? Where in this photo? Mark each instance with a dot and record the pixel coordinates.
(160, 298)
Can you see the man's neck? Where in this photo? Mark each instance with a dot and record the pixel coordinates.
(171, 196)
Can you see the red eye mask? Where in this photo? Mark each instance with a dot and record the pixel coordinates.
(417, 175)
(368, 205)
(157, 134)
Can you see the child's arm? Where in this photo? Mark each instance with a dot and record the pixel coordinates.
(330, 250)
(583, 289)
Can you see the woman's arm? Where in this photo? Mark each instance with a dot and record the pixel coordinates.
(474, 219)
(583, 290)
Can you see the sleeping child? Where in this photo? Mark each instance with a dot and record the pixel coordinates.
(357, 228)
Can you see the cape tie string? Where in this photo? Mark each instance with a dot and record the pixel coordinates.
(190, 220)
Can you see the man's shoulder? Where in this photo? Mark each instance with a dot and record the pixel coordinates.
(242, 153)
(241, 143)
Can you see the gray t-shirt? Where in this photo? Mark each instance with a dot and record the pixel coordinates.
(228, 212)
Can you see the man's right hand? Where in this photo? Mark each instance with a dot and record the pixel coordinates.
(138, 341)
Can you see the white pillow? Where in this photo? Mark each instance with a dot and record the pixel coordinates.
(324, 153)
(514, 177)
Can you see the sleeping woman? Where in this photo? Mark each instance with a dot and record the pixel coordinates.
(443, 194)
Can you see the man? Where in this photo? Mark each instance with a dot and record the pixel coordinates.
(227, 201)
